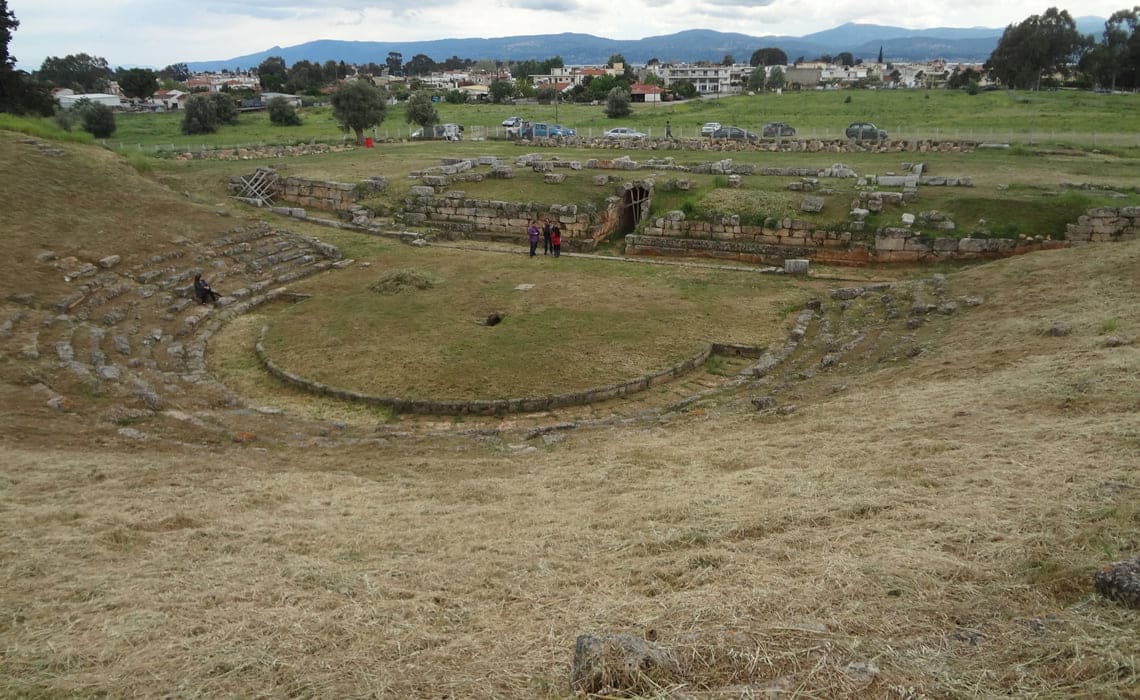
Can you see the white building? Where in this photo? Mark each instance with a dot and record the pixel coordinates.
(68, 101)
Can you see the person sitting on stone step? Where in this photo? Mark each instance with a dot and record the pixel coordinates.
(203, 292)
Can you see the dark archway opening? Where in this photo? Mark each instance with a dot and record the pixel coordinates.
(634, 206)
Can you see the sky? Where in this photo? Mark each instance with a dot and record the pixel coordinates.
(157, 33)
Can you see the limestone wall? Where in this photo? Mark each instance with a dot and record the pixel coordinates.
(1105, 224)
(673, 234)
(453, 211)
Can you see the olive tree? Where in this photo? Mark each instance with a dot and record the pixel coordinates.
(358, 105)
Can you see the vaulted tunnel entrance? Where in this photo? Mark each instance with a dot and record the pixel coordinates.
(635, 200)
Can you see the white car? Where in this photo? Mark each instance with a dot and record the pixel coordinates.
(512, 122)
(623, 132)
(709, 128)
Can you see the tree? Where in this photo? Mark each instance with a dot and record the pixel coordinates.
(776, 78)
(1115, 60)
(395, 63)
(880, 61)
(78, 72)
(272, 74)
(617, 103)
(358, 105)
(546, 94)
(1040, 45)
(455, 97)
(200, 116)
(281, 113)
(685, 89)
(98, 120)
(728, 60)
(305, 77)
(138, 83)
(615, 60)
(178, 72)
(768, 56)
(758, 78)
(845, 59)
(421, 64)
(19, 92)
(225, 108)
(420, 110)
(501, 90)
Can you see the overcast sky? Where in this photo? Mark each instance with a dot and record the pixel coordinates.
(157, 33)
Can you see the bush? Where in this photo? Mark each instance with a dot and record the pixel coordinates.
(281, 113)
(98, 120)
(225, 107)
(200, 116)
(617, 103)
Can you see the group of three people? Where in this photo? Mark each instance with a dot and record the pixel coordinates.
(551, 238)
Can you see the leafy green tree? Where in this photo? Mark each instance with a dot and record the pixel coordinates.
(358, 105)
(1115, 60)
(420, 110)
(272, 74)
(776, 78)
(455, 97)
(305, 77)
(728, 60)
(768, 56)
(19, 92)
(845, 59)
(1038, 46)
(178, 72)
(98, 120)
(421, 64)
(501, 90)
(685, 89)
(758, 79)
(281, 113)
(200, 116)
(138, 83)
(395, 63)
(225, 108)
(546, 94)
(599, 88)
(617, 103)
(79, 72)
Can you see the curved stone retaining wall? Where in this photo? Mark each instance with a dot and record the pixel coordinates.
(530, 404)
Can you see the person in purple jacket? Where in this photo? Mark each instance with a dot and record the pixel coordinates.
(532, 235)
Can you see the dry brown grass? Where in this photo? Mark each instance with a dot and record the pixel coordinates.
(930, 530)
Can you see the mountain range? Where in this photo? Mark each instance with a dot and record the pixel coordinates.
(967, 45)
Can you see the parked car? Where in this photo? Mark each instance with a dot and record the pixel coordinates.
(776, 129)
(623, 132)
(865, 131)
(449, 132)
(512, 121)
(540, 130)
(734, 133)
(709, 128)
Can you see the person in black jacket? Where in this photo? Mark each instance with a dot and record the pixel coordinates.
(203, 292)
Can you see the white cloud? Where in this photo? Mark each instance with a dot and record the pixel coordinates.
(159, 32)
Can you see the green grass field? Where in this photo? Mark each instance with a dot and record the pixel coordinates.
(1071, 118)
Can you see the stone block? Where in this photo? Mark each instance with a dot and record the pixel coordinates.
(796, 266)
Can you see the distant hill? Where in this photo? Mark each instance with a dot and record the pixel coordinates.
(972, 44)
